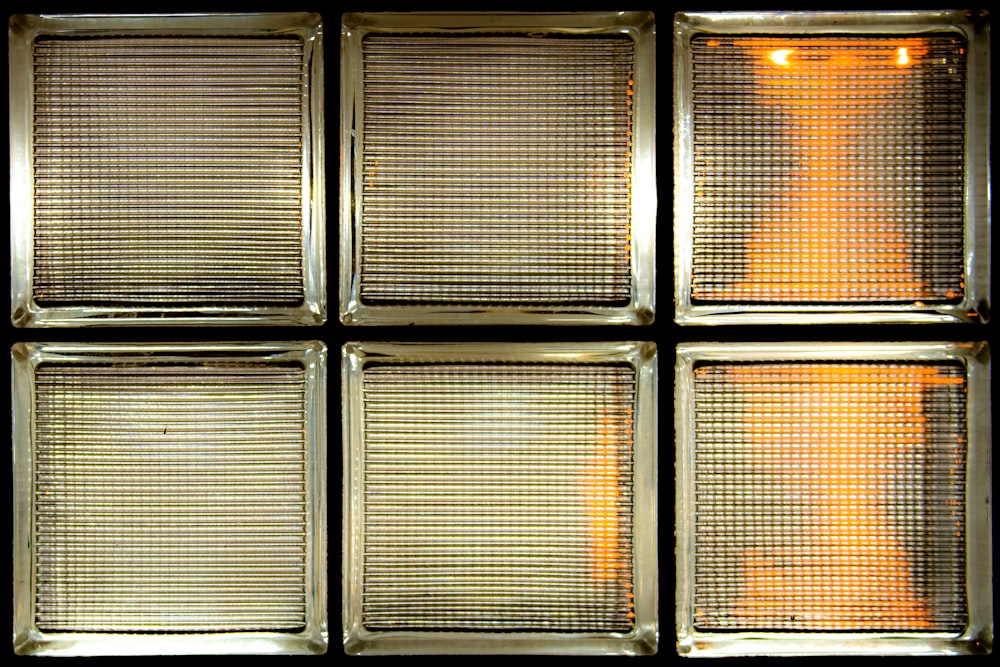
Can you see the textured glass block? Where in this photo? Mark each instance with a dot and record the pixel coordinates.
(502, 171)
(167, 168)
(829, 499)
(499, 501)
(829, 167)
(169, 500)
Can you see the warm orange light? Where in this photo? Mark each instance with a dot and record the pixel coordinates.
(844, 439)
(831, 232)
(780, 56)
(824, 453)
(608, 550)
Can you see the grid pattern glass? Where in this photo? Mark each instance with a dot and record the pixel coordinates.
(168, 171)
(830, 497)
(828, 169)
(496, 169)
(498, 497)
(169, 497)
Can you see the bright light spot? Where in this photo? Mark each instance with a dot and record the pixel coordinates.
(780, 57)
(902, 56)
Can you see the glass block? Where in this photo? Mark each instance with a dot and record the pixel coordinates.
(497, 168)
(167, 169)
(169, 499)
(499, 499)
(830, 499)
(831, 167)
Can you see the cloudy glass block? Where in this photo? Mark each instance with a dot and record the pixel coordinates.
(169, 499)
(499, 500)
(167, 169)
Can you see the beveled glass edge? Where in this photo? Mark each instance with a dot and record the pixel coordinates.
(314, 185)
(975, 304)
(21, 202)
(977, 637)
(25, 312)
(583, 22)
(312, 639)
(640, 26)
(643, 640)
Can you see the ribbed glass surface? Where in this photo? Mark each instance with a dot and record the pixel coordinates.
(830, 496)
(168, 170)
(498, 497)
(169, 498)
(496, 169)
(828, 169)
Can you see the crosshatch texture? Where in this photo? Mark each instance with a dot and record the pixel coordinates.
(498, 497)
(830, 497)
(169, 498)
(829, 169)
(168, 171)
(497, 169)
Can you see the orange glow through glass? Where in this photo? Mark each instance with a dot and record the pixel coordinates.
(845, 483)
(827, 169)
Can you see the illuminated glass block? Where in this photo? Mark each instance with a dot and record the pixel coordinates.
(497, 168)
(824, 499)
(831, 167)
(499, 499)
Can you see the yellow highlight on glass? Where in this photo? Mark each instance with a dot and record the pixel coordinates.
(780, 56)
